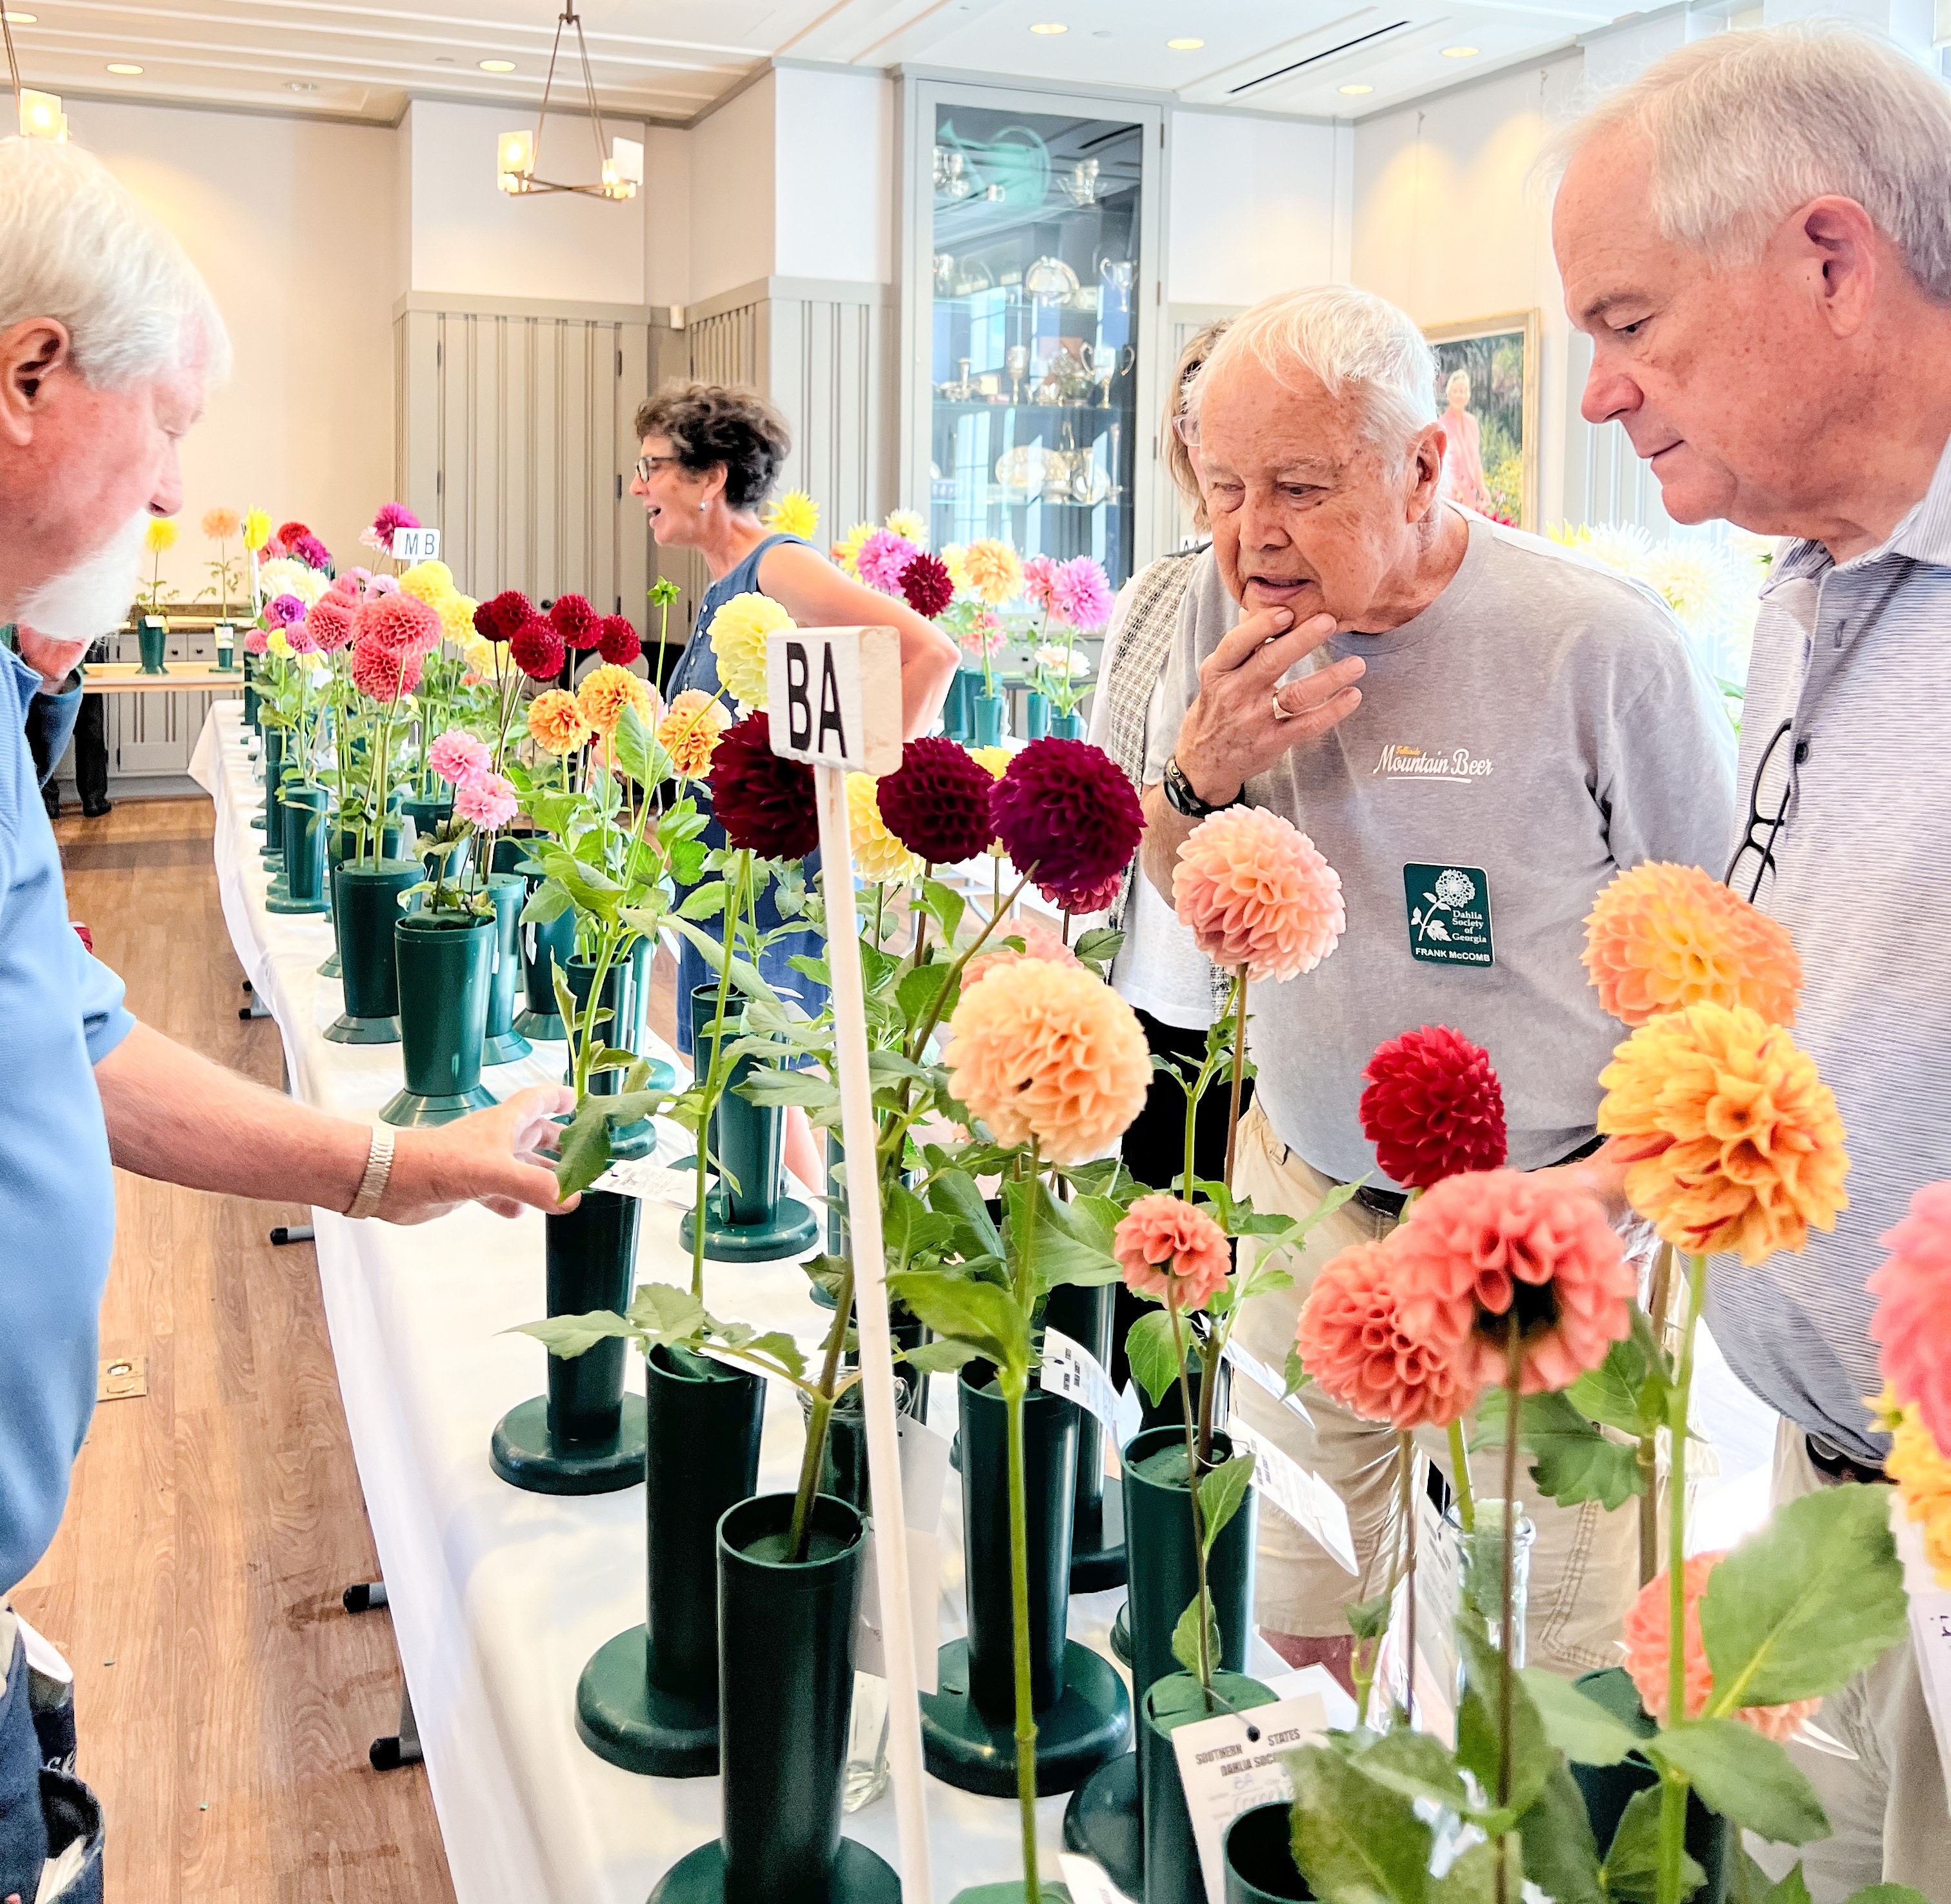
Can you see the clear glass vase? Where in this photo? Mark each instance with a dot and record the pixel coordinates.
(865, 1777)
(1481, 1573)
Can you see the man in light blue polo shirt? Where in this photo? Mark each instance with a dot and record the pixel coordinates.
(107, 338)
(1756, 235)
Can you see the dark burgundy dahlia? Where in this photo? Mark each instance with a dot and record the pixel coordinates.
(616, 641)
(1432, 1107)
(538, 649)
(936, 803)
(764, 801)
(499, 616)
(1066, 815)
(576, 621)
(926, 583)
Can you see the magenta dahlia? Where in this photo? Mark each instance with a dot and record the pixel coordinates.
(1432, 1107)
(498, 618)
(616, 641)
(763, 800)
(1066, 815)
(936, 803)
(537, 648)
(881, 560)
(927, 585)
(312, 552)
(576, 621)
(391, 516)
(283, 610)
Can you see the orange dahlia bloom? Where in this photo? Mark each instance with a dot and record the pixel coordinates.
(1352, 1343)
(1172, 1252)
(556, 723)
(1257, 892)
(1733, 1140)
(606, 692)
(1923, 1477)
(1661, 938)
(689, 732)
(1645, 1630)
(1049, 1052)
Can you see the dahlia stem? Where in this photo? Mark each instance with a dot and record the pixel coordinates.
(1013, 1382)
(1507, 1677)
(1460, 1476)
(1673, 1786)
(1658, 1298)
(1192, 1478)
(1239, 1068)
(711, 1075)
(1408, 1513)
(955, 971)
(817, 1422)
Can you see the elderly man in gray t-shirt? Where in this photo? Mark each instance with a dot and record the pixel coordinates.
(1525, 725)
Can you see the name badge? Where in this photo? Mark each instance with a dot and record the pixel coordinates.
(1449, 909)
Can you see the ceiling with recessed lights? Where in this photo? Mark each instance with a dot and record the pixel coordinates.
(669, 59)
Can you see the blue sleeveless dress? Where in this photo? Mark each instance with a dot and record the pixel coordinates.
(697, 667)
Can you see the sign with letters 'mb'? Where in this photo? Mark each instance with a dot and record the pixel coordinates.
(835, 696)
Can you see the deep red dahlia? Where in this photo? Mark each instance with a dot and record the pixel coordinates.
(927, 585)
(500, 615)
(289, 533)
(936, 802)
(537, 648)
(1433, 1108)
(616, 641)
(1085, 899)
(576, 622)
(398, 621)
(1066, 813)
(384, 673)
(764, 801)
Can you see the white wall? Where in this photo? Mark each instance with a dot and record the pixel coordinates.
(733, 184)
(291, 223)
(834, 175)
(666, 197)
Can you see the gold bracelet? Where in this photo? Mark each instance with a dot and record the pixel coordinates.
(378, 1170)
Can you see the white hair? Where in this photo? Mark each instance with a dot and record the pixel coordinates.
(1345, 339)
(77, 246)
(1747, 125)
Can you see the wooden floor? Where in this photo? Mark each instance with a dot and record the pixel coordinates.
(224, 1698)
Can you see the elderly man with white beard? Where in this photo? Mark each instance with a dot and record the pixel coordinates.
(107, 339)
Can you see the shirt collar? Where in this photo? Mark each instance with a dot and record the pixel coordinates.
(1924, 534)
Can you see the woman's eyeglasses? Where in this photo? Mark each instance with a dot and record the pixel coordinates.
(647, 465)
(1768, 800)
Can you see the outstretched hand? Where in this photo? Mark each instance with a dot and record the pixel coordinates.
(503, 1158)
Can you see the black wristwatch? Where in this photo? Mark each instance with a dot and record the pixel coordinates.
(1180, 796)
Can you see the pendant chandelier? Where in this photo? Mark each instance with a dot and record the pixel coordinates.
(515, 153)
(41, 114)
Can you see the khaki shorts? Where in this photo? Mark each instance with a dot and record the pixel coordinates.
(1584, 1564)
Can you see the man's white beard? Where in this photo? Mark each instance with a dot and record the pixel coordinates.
(93, 597)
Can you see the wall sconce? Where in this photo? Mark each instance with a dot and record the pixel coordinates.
(41, 115)
(514, 160)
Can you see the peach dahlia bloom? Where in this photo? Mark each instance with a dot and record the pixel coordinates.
(1172, 1252)
(1733, 1140)
(606, 692)
(1352, 1341)
(1911, 1326)
(689, 732)
(1257, 892)
(1660, 937)
(1051, 1053)
(1646, 1630)
(556, 723)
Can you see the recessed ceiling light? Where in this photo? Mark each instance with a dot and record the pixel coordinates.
(1049, 26)
(14, 19)
(1184, 45)
(301, 85)
(1459, 52)
(124, 67)
(497, 66)
(1353, 91)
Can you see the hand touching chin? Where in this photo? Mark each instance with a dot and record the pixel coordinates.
(52, 661)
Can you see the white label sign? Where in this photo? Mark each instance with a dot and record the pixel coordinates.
(1232, 1762)
(416, 545)
(1070, 1370)
(1304, 1498)
(1930, 1628)
(1257, 1373)
(924, 1480)
(834, 695)
(650, 1180)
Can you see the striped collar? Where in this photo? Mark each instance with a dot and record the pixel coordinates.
(1924, 535)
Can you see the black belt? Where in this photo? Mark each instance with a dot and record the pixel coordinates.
(1390, 1203)
(1830, 1460)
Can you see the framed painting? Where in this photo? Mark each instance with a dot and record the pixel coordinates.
(1486, 396)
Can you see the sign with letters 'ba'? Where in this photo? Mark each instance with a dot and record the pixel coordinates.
(834, 695)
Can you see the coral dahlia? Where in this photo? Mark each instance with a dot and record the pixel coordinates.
(398, 622)
(689, 732)
(1172, 1252)
(1912, 1325)
(1352, 1341)
(382, 673)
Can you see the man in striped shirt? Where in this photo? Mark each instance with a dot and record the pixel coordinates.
(1756, 235)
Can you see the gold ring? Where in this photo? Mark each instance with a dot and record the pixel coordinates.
(1280, 712)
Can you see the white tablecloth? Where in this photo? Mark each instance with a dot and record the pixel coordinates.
(499, 1597)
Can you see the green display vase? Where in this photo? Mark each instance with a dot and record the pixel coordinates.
(1083, 1715)
(250, 689)
(445, 962)
(152, 637)
(274, 772)
(302, 817)
(511, 854)
(544, 947)
(585, 1436)
(1066, 727)
(502, 1043)
(342, 846)
(986, 706)
(748, 1218)
(1105, 1820)
(661, 1076)
(366, 899)
(906, 1331)
(785, 1674)
(1172, 1875)
(1036, 715)
(629, 1140)
(648, 1700)
(956, 717)
(1096, 1559)
(1259, 1847)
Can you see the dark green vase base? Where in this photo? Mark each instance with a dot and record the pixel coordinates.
(790, 1233)
(860, 1877)
(1104, 1821)
(1013, 1890)
(1090, 1723)
(1097, 1570)
(505, 1047)
(346, 1029)
(1121, 1635)
(332, 968)
(257, 821)
(545, 1027)
(523, 1453)
(660, 1075)
(277, 902)
(623, 1717)
(410, 1108)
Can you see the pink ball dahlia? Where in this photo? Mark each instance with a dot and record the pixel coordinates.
(300, 638)
(398, 622)
(257, 640)
(1039, 942)
(764, 801)
(1912, 1325)
(537, 649)
(1352, 1341)
(936, 803)
(485, 799)
(1040, 582)
(1067, 816)
(576, 622)
(500, 615)
(1646, 1627)
(617, 641)
(1433, 1108)
(384, 673)
(882, 559)
(457, 753)
(1479, 1248)
(330, 622)
(1257, 892)
(1172, 1252)
(1080, 593)
(927, 585)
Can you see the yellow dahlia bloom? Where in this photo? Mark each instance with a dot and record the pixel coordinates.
(738, 638)
(1049, 1052)
(556, 723)
(431, 582)
(955, 559)
(160, 535)
(908, 524)
(478, 653)
(456, 621)
(1660, 937)
(877, 854)
(278, 643)
(606, 692)
(848, 546)
(1923, 1478)
(795, 513)
(995, 570)
(257, 528)
(997, 760)
(689, 732)
(1733, 1141)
